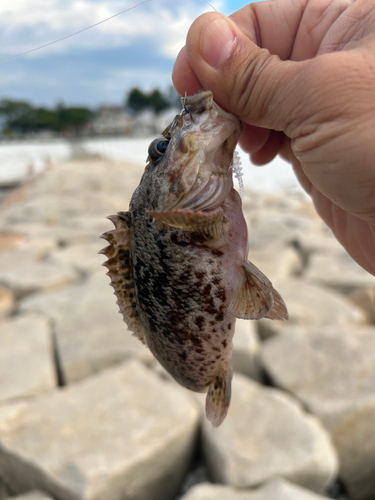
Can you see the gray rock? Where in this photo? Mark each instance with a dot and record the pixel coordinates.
(92, 188)
(123, 433)
(277, 262)
(40, 276)
(26, 357)
(9, 239)
(312, 305)
(276, 489)
(364, 298)
(317, 242)
(3, 490)
(267, 434)
(27, 252)
(332, 370)
(338, 271)
(83, 257)
(33, 495)
(90, 332)
(72, 231)
(26, 268)
(68, 203)
(7, 302)
(246, 349)
(269, 226)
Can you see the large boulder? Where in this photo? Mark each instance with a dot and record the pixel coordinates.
(83, 257)
(278, 262)
(7, 302)
(246, 349)
(332, 370)
(267, 434)
(310, 304)
(274, 219)
(26, 357)
(123, 433)
(90, 332)
(338, 271)
(33, 495)
(26, 268)
(276, 489)
(364, 298)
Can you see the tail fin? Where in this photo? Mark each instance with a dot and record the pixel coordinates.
(218, 397)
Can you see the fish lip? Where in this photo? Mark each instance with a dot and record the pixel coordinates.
(204, 98)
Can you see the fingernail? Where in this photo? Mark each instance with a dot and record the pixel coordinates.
(217, 42)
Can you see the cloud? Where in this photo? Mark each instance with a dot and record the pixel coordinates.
(136, 48)
(163, 23)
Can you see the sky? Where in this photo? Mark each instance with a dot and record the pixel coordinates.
(99, 65)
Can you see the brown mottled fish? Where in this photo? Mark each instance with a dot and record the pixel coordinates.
(178, 258)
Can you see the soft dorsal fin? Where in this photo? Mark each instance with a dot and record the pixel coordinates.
(256, 298)
(209, 223)
(120, 271)
(218, 396)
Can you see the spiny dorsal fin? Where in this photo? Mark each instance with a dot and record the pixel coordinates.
(256, 298)
(120, 271)
(218, 397)
(209, 223)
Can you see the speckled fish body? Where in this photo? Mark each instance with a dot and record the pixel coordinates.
(178, 258)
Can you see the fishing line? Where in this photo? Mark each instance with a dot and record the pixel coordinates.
(85, 29)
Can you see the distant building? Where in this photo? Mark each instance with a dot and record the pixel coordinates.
(111, 120)
(144, 123)
(147, 123)
(162, 120)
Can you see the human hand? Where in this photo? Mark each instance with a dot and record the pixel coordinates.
(301, 77)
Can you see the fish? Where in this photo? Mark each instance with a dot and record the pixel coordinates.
(177, 259)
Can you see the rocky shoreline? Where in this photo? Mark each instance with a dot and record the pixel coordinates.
(86, 413)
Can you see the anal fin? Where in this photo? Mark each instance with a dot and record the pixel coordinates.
(218, 397)
(208, 223)
(120, 271)
(256, 298)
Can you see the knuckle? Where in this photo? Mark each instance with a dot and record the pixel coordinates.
(251, 91)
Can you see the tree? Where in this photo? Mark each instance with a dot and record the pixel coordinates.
(157, 101)
(137, 101)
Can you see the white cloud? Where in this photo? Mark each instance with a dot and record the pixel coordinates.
(26, 25)
(83, 75)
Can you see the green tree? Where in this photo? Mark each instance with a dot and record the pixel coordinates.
(13, 109)
(157, 101)
(22, 117)
(137, 101)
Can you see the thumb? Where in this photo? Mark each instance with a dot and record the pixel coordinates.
(246, 80)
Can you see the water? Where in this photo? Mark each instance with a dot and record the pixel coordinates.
(20, 161)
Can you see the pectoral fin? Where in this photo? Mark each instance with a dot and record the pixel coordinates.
(256, 298)
(279, 310)
(208, 223)
(120, 271)
(218, 397)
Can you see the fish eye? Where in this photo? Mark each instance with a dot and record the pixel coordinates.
(157, 148)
